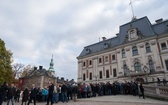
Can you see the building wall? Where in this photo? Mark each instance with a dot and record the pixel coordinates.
(163, 53)
(157, 54)
(39, 81)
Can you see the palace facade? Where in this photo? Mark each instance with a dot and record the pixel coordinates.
(139, 52)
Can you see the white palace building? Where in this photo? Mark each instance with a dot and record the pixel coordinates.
(138, 52)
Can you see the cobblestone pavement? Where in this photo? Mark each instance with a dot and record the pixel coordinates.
(110, 100)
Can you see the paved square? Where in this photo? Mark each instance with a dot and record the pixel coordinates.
(110, 100)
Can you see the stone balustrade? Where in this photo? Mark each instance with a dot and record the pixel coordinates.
(156, 91)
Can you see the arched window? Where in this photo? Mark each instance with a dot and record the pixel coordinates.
(148, 49)
(123, 53)
(134, 50)
(137, 66)
(151, 66)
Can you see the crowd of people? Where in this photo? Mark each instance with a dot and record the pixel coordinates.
(9, 93)
(50, 94)
(54, 93)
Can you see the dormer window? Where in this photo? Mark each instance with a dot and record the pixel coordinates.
(132, 33)
(106, 45)
(87, 51)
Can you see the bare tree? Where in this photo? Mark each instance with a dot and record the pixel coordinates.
(26, 70)
(17, 69)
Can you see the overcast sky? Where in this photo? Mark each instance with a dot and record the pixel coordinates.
(35, 29)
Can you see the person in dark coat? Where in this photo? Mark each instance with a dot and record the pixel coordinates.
(142, 91)
(64, 89)
(74, 92)
(164, 81)
(17, 95)
(11, 93)
(33, 95)
(158, 80)
(50, 93)
(3, 90)
(25, 96)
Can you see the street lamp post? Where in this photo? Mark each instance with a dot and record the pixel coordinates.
(145, 69)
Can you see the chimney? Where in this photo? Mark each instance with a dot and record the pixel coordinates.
(104, 38)
(40, 67)
(67, 80)
(159, 20)
(62, 78)
(117, 34)
(35, 68)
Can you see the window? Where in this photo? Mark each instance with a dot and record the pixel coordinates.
(83, 77)
(100, 74)
(114, 73)
(132, 34)
(134, 50)
(90, 62)
(166, 63)
(113, 57)
(125, 70)
(137, 66)
(100, 60)
(163, 45)
(90, 76)
(151, 66)
(106, 59)
(107, 73)
(84, 64)
(148, 49)
(123, 53)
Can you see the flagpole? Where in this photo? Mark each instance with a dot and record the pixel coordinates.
(132, 8)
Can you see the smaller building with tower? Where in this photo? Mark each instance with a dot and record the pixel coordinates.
(41, 77)
(38, 76)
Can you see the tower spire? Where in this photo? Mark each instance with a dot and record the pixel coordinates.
(51, 68)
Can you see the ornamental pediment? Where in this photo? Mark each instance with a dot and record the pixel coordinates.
(133, 34)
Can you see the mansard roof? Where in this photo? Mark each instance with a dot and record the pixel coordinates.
(160, 27)
(143, 25)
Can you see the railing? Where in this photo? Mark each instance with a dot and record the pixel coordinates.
(156, 91)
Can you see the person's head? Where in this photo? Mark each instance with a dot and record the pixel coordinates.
(12, 85)
(4, 83)
(49, 83)
(33, 85)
